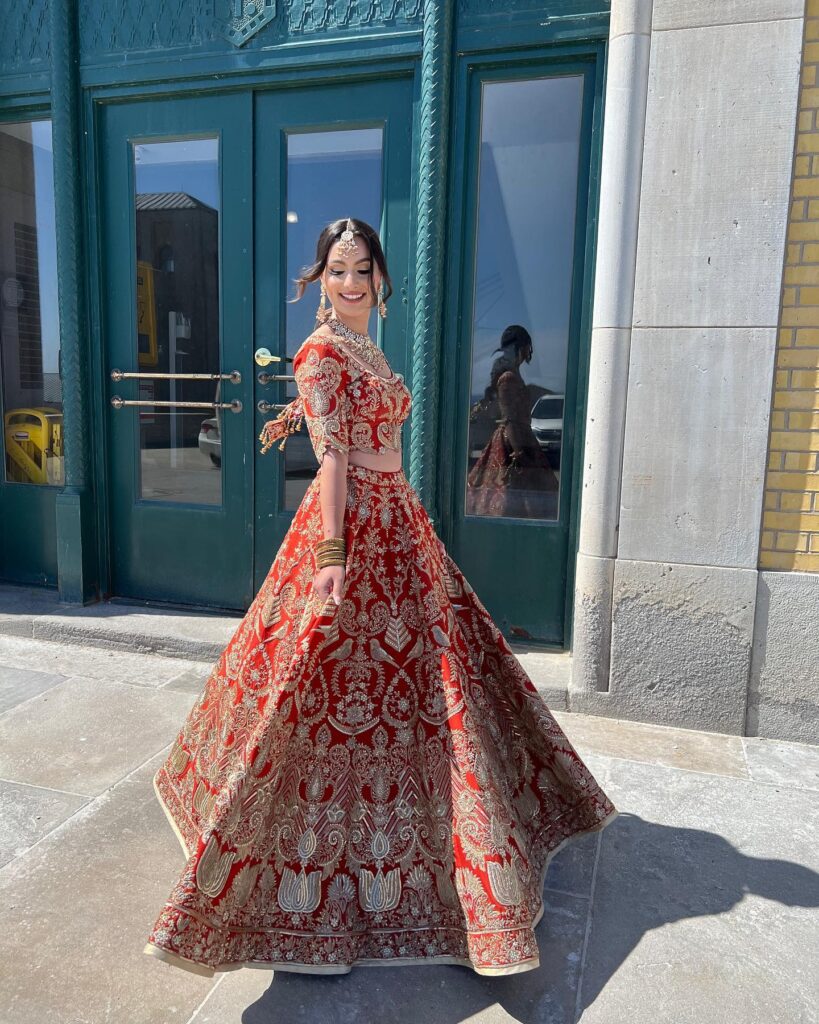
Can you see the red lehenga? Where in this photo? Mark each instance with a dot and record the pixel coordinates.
(513, 475)
(373, 783)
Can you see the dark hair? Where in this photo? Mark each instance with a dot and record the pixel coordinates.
(330, 234)
(515, 335)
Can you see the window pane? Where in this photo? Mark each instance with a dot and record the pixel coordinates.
(177, 289)
(529, 149)
(321, 166)
(29, 321)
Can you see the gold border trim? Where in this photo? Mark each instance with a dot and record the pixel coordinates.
(170, 816)
(175, 960)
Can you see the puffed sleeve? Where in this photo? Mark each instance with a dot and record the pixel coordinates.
(322, 377)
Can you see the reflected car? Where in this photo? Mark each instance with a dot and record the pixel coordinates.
(210, 440)
(300, 459)
(547, 425)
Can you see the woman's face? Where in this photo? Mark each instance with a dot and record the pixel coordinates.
(347, 278)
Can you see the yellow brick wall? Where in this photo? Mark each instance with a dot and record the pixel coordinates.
(790, 520)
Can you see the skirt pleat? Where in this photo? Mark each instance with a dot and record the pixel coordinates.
(371, 783)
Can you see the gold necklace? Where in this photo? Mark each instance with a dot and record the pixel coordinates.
(362, 345)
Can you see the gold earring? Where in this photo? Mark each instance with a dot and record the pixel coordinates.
(321, 312)
(382, 309)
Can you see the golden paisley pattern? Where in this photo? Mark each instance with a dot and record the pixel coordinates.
(346, 406)
(373, 782)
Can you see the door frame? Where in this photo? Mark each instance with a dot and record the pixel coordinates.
(588, 57)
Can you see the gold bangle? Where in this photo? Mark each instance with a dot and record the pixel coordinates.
(331, 551)
(330, 561)
(330, 558)
(331, 544)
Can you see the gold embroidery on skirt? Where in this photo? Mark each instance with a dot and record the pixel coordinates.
(378, 892)
(299, 893)
(504, 882)
(213, 868)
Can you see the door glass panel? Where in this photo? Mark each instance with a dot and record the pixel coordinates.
(323, 169)
(177, 316)
(524, 254)
(29, 320)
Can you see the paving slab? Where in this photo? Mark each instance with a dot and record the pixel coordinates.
(75, 913)
(18, 683)
(72, 659)
(151, 629)
(705, 895)
(27, 813)
(82, 735)
(784, 764)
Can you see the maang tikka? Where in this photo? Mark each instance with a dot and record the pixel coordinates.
(347, 245)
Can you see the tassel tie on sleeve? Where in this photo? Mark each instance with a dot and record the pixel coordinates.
(286, 423)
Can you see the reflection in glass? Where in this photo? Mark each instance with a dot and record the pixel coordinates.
(29, 319)
(529, 149)
(321, 166)
(177, 294)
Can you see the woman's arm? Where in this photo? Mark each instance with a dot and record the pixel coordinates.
(322, 377)
(332, 501)
(333, 492)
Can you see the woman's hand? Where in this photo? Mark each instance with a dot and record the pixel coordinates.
(329, 580)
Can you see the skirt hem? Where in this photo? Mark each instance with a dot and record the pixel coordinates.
(176, 960)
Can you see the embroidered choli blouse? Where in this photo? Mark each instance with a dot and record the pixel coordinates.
(347, 406)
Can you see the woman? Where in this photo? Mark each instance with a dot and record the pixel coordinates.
(369, 776)
(513, 475)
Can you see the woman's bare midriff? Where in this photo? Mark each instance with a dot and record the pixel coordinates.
(386, 461)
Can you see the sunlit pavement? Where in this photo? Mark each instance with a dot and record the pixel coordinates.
(698, 902)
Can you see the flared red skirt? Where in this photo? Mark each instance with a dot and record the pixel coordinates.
(373, 782)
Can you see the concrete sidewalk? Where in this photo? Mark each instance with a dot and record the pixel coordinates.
(698, 902)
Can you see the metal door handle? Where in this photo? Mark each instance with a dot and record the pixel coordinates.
(234, 376)
(270, 406)
(263, 357)
(234, 406)
(266, 378)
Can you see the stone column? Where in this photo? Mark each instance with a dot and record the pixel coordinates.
(620, 175)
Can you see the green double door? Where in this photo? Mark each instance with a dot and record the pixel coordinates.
(211, 207)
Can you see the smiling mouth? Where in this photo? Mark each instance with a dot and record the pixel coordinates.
(352, 298)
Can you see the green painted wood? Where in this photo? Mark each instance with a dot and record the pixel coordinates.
(77, 567)
(28, 540)
(519, 567)
(428, 294)
(388, 104)
(191, 36)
